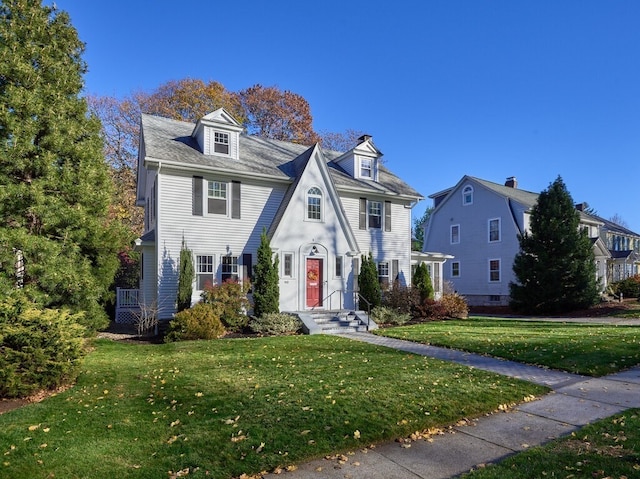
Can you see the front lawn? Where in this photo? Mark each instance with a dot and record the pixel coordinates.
(226, 407)
(593, 350)
(609, 448)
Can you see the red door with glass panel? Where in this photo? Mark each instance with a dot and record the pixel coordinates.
(314, 282)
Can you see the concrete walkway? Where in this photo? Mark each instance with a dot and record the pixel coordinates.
(575, 401)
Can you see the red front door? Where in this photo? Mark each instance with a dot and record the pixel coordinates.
(314, 282)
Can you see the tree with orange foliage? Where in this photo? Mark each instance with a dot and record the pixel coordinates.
(278, 115)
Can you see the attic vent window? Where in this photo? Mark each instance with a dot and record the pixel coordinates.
(467, 195)
(221, 142)
(366, 168)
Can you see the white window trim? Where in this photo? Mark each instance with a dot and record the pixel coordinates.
(370, 215)
(451, 234)
(335, 266)
(499, 280)
(306, 205)
(459, 272)
(293, 264)
(499, 220)
(468, 188)
(238, 270)
(198, 272)
(371, 170)
(214, 142)
(388, 275)
(227, 198)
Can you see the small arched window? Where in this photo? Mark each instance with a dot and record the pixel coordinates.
(467, 195)
(314, 204)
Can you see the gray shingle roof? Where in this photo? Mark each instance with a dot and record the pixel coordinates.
(170, 140)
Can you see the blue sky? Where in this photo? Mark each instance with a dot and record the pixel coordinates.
(488, 88)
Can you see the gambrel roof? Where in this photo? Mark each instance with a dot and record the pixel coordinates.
(171, 143)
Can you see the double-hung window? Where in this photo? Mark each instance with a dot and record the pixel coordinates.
(314, 204)
(204, 271)
(221, 142)
(375, 214)
(494, 230)
(455, 269)
(455, 234)
(383, 274)
(229, 268)
(366, 168)
(494, 270)
(217, 197)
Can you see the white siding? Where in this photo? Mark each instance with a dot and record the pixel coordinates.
(208, 234)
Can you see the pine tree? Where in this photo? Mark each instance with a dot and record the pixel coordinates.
(266, 280)
(422, 282)
(186, 276)
(368, 282)
(555, 268)
(55, 188)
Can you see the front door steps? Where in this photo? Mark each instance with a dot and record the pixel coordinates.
(335, 322)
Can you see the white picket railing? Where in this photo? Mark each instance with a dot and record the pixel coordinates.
(127, 305)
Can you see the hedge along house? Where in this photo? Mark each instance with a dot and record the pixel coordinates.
(217, 189)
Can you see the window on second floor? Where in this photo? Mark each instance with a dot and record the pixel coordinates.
(467, 195)
(314, 204)
(221, 142)
(494, 230)
(455, 234)
(375, 214)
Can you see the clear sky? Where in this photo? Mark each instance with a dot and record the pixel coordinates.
(489, 88)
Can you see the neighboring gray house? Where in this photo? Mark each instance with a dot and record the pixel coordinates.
(217, 188)
(478, 222)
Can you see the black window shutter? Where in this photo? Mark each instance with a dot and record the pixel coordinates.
(196, 207)
(235, 199)
(395, 265)
(387, 215)
(246, 267)
(363, 214)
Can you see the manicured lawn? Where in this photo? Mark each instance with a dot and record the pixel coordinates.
(593, 350)
(226, 407)
(609, 448)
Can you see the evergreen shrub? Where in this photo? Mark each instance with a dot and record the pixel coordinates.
(39, 348)
(233, 302)
(200, 322)
(276, 324)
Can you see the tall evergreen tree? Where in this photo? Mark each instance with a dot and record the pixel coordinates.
(186, 276)
(422, 282)
(55, 188)
(368, 282)
(555, 268)
(266, 280)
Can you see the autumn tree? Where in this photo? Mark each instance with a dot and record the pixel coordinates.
(340, 141)
(57, 242)
(555, 269)
(278, 115)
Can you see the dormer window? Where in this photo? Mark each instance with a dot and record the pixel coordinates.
(221, 142)
(366, 168)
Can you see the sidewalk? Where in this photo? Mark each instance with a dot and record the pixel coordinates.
(575, 401)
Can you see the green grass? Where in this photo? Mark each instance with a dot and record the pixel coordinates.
(593, 350)
(226, 407)
(609, 448)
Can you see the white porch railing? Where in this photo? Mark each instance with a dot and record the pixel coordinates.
(127, 305)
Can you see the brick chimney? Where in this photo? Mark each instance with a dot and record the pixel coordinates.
(511, 182)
